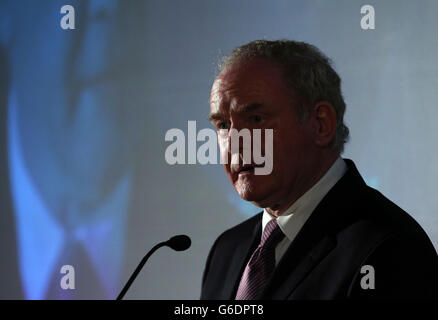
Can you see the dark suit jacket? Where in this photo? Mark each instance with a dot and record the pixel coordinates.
(354, 225)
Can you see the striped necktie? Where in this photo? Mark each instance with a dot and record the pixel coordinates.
(261, 264)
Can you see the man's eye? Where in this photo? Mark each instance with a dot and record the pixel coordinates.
(223, 125)
(256, 119)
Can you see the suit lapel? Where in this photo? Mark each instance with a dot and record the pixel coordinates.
(309, 247)
(286, 281)
(248, 242)
(315, 240)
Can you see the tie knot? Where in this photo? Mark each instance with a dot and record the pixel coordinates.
(272, 234)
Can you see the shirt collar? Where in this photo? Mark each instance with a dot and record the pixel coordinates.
(291, 221)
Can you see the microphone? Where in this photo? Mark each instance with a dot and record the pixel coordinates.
(177, 243)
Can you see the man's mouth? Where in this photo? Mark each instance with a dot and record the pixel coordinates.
(246, 169)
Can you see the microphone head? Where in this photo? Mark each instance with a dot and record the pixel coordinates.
(179, 243)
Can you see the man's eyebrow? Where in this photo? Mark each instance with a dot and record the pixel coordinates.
(216, 116)
(248, 107)
(238, 109)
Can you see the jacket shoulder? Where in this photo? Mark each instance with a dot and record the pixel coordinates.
(383, 214)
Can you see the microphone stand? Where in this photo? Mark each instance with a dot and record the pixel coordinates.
(139, 267)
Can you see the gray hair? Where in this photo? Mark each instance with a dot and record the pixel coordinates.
(308, 72)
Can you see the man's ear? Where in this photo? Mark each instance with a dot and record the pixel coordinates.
(325, 123)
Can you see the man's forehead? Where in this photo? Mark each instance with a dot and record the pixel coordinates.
(226, 96)
(237, 86)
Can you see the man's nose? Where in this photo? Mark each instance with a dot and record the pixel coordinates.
(233, 133)
(240, 144)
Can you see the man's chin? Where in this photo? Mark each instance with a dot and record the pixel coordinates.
(254, 196)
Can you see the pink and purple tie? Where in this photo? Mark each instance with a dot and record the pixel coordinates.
(261, 264)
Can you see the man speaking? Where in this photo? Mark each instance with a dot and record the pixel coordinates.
(323, 233)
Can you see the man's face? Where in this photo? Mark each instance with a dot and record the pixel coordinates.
(254, 95)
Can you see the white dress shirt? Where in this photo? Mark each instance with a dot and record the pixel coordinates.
(293, 219)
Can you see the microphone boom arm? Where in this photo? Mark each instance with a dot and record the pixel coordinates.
(138, 269)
